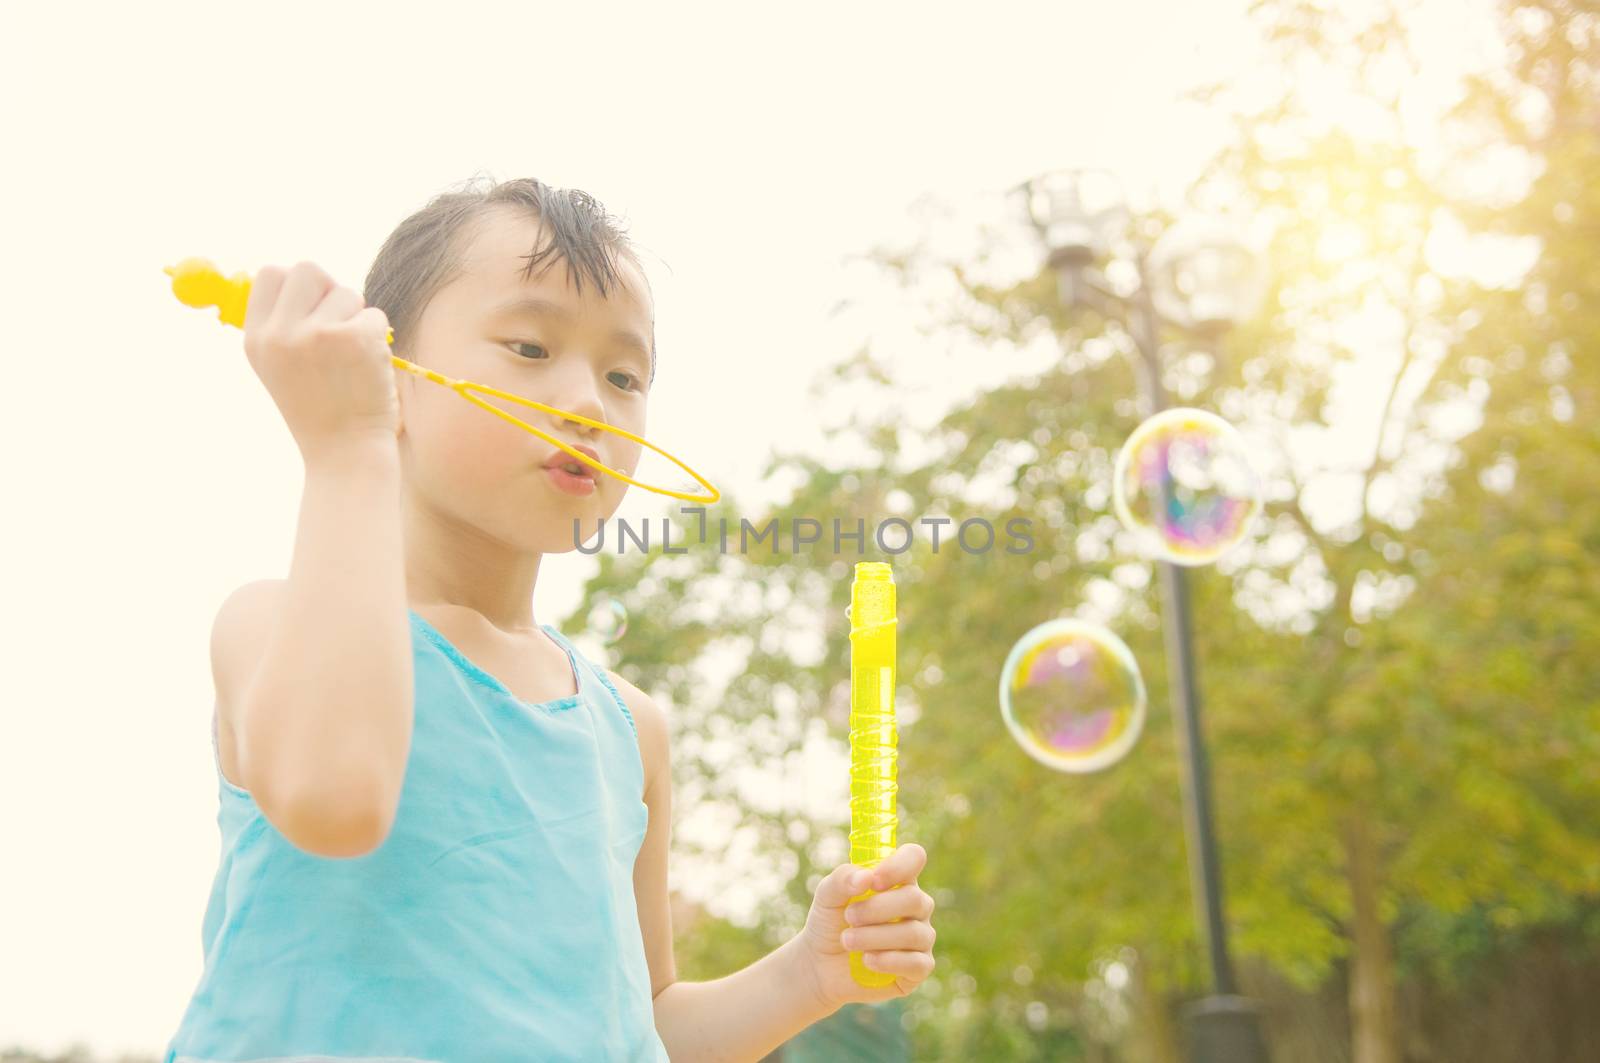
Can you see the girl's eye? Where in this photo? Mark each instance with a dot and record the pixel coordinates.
(625, 381)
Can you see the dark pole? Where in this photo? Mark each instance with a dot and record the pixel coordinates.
(1222, 1027)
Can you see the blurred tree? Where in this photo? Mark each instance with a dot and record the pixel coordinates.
(75, 1053)
(859, 1033)
(1454, 732)
(1398, 667)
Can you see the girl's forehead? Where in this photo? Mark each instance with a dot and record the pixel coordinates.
(494, 266)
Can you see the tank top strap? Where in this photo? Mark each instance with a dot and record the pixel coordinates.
(591, 673)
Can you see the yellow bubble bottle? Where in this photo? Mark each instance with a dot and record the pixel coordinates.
(873, 736)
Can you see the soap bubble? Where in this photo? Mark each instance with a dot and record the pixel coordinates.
(608, 620)
(1215, 495)
(1072, 696)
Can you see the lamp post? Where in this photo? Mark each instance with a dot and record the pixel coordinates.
(1200, 279)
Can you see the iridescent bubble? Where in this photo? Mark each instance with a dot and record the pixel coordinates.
(608, 620)
(1184, 485)
(1072, 696)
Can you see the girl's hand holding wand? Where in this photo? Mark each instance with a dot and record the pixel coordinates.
(893, 928)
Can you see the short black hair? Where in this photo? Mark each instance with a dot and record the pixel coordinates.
(426, 249)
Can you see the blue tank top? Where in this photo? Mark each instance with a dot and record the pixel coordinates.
(497, 920)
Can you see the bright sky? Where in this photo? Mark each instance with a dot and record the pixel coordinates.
(751, 151)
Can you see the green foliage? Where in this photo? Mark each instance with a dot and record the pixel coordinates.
(77, 1053)
(857, 1033)
(1406, 643)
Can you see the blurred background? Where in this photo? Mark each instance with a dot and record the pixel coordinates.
(860, 315)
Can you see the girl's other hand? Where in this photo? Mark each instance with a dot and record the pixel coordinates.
(324, 358)
(893, 929)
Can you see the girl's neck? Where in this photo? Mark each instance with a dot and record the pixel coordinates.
(456, 567)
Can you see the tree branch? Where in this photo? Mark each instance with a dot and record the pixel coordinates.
(1407, 355)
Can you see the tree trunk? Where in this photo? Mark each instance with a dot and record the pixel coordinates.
(1154, 1034)
(1374, 1032)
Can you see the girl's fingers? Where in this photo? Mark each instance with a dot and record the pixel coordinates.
(915, 965)
(902, 865)
(912, 934)
(907, 902)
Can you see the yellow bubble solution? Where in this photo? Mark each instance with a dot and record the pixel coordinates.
(873, 737)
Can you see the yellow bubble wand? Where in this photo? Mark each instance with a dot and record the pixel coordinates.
(874, 755)
(198, 283)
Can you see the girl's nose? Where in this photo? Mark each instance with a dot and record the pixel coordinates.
(576, 393)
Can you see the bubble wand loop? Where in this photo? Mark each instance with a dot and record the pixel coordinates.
(874, 756)
(197, 283)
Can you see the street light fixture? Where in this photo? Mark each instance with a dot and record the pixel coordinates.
(1080, 212)
(1200, 278)
(1205, 277)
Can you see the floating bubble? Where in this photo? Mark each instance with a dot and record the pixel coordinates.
(1184, 484)
(608, 620)
(1072, 696)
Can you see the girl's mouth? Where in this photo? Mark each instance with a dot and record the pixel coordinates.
(571, 477)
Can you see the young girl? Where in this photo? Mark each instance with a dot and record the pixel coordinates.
(444, 830)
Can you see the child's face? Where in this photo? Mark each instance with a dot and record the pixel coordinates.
(472, 466)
